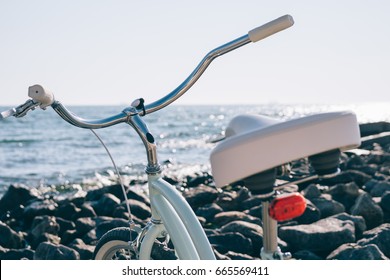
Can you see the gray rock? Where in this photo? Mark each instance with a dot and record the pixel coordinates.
(209, 211)
(231, 241)
(138, 196)
(200, 196)
(97, 193)
(10, 238)
(369, 210)
(252, 231)
(16, 254)
(385, 201)
(380, 188)
(40, 208)
(85, 210)
(311, 191)
(106, 205)
(69, 236)
(45, 237)
(378, 157)
(85, 251)
(17, 195)
(253, 201)
(90, 238)
(42, 225)
(322, 236)
(328, 207)
(345, 193)
(138, 209)
(224, 218)
(49, 251)
(306, 255)
(64, 225)
(348, 176)
(311, 214)
(256, 211)
(67, 211)
(359, 222)
(84, 225)
(353, 251)
(379, 236)
(238, 256)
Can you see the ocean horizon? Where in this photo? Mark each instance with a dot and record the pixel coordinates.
(41, 150)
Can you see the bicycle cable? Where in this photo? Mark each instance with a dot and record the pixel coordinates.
(131, 222)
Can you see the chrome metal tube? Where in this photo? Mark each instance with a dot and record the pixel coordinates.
(195, 75)
(270, 230)
(83, 123)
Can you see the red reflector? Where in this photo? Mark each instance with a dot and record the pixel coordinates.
(287, 207)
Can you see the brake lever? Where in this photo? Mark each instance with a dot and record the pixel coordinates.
(21, 110)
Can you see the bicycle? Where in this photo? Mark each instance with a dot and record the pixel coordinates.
(319, 137)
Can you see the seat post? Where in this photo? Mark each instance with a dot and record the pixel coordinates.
(270, 227)
(270, 250)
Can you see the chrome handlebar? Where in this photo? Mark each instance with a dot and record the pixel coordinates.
(43, 98)
(195, 75)
(157, 105)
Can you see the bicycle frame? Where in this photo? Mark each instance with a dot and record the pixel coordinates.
(171, 209)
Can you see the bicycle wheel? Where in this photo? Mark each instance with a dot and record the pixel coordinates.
(114, 245)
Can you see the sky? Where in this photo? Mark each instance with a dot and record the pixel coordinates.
(95, 52)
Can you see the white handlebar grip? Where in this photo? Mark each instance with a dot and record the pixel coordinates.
(41, 95)
(270, 28)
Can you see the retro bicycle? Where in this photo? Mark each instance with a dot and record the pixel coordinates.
(254, 150)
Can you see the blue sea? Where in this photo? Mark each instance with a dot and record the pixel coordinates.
(43, 151)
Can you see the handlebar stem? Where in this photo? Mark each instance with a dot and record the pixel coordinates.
(130, 116)
(147, 138)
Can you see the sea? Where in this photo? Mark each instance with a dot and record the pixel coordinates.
(43, 151)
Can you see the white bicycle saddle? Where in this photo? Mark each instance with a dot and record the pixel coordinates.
(257, 143)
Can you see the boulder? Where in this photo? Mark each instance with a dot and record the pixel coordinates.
(327, 207)
(200, 196)
(9, 238)
(49, 251)
(385, 201)
(67, 211)
(322, 236)
(138, 209)
(40, 208)
(346, 194)
(85, 251)
(252, 231)
(306, 255)
(311, 191)
(84, 225)
(106, 205)
(231, 241)
(380, 188)
(311, 214)
(359, 222)
(353, 251)
(16, 254)
(208, 211)
(379, 236)
(366, 207)
(17, 195)
(224, 218)
(42, 225)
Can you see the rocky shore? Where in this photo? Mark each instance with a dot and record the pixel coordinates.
(348, 216)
